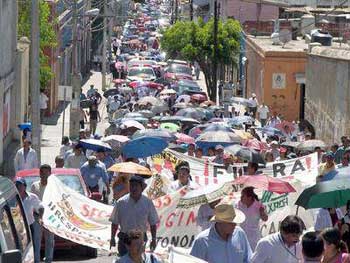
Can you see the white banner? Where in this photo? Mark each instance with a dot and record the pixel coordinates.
(75, 217)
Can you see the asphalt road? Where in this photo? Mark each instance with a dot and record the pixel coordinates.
(75, 256)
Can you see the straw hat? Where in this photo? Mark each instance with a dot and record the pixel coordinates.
(225, 213)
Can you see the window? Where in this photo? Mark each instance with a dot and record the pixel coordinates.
(7, 230)
(19, 220)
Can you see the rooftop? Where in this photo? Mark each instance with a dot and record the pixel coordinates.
(341, 53)
(264, 44)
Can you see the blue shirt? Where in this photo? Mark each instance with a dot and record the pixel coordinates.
(210, 247)
(92, 175)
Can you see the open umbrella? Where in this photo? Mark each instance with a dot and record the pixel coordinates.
(207, 103)
(198, 97)
(95, 145)
(144, 147)
(160, 133)
(183, 98)
(240, 120)
(119, 81)
(159, 108)
(204, 195)
(184, 138)
(182, 105)
(329, 194)
(245, 153)
(213, 138)
(131, 124)
(125, 90)
(243, 134)
(270, 131)
(115, 138)
(266, 182)
(193, 113)
(131, 168)
(255, 144)
(241, 101)
(310, 145)
(217, 127)
(110, 92)
(167, 92)
(290, 144)
(149, 100)
(147, 113)
(177, 119)
(170, 126)
(285, 126)
(133, 115)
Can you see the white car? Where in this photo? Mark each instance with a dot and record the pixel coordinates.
(141, 74)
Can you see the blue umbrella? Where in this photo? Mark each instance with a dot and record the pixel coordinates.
(338, 173)
(144, 147)
(25, 125)
(270, 131)
(159, 133)
(213, 138)
(95, 145)
(239, 120)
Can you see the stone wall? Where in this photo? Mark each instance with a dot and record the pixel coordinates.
(327, 95)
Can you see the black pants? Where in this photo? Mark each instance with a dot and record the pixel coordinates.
(82, 124)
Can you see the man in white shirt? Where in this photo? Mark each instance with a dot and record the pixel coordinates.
(253, 105)
(76, 159)
(43, 104)
(134, 211)
(283, 246)
(224, 241)
(38, 188)
(263, 114)
(33, 209)
(26, 157)
(324, 219)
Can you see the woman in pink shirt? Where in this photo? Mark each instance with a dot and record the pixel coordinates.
(254, 211)
(335, 250)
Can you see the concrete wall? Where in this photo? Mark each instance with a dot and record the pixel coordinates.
(244, 11)
(327, 104)
(8, 40)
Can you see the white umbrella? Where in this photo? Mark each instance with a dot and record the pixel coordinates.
(204, 195)
(131, 123)
(167, 92)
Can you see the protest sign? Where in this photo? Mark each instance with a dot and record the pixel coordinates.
(177, 227)
(75, 217)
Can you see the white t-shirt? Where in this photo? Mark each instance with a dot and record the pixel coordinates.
(31, 204)
(253, 102)
(263, 111)
(43, 101)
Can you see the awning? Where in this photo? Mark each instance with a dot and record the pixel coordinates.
(279, 3)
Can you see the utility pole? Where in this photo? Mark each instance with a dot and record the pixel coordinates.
(76, 85)
(176, 9)
(191, 10)
(215, 59)
(104, 47)
(35, 77)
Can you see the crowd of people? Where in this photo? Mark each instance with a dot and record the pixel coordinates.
(230, 232)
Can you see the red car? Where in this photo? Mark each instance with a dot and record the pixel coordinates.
(72, 179)
(178, 72)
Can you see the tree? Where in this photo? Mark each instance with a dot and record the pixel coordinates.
(47, 34)
(195, 42)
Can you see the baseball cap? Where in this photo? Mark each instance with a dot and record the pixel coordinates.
(219, 147)
(21, 181)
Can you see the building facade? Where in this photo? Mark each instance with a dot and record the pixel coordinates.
(327, 93)
(275, 74)
(8, 43)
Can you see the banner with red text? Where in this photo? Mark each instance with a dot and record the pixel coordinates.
(75, 217)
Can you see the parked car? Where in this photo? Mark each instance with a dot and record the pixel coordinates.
(141, 74)
(15, 237)
(72, 179)
(187, 85)
(178, 72)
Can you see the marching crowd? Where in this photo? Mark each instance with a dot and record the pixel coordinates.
(230, 232)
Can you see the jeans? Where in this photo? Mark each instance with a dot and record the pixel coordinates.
(263, 122)
(49, 242)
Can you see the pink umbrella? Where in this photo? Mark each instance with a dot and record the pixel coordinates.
(265, 182)
(285, 126)
(183, 138)
(198, 97)
(255, 144)
(119, 81)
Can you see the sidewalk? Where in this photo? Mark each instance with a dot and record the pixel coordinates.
(51, 135)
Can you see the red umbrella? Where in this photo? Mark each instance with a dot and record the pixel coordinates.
(255, 145)
(154, 85)
(119, 81)
(285, 126)
(183, 138)
(265, 182)
(198, 97)
(135, 84)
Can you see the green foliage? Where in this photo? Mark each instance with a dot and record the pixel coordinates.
(195, 42)
(47, 34)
